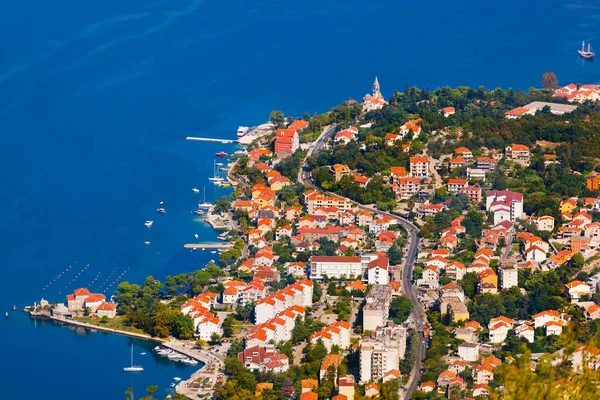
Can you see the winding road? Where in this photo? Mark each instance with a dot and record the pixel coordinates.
(403, 275)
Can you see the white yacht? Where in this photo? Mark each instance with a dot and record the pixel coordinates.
(195, 190)
(148, 223)
(242, 130)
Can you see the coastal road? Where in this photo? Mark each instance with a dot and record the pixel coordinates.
(405, 276)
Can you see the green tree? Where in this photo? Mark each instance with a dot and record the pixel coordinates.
(221, 205)
(277, 117)
(183, 326)
(400, 309)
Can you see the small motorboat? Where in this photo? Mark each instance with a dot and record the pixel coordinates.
(221, 154)
(195, 190)
(143, 353)
(157, 348)
(146, 242)
(177, 379)
(196, 236)
(161, 203)
(14, 308)
(213, 252)
(161, 210)
(6, 315)
(172, 384)
(202, 249)
(148, 223)
(199, 212)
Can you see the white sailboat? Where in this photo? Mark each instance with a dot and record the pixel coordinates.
(205, 204)
(133, 368)
(216, 179)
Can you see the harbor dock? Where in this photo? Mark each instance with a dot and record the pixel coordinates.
(200, 139)
(208, 246)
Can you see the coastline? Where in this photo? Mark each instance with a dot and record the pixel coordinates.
(62, 320)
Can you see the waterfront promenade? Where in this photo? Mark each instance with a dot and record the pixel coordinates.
(64, 320)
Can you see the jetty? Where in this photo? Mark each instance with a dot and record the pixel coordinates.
(208, 246)
(201, 139)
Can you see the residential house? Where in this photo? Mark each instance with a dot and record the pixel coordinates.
(419, 167)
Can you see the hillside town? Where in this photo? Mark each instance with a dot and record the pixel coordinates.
(415, 247)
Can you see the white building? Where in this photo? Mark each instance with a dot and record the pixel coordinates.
(297, 269)
(335, 267)
(336, 334)
(377, 307)
(419, 167)
(277, 329)
(525, 331)
(540, 319)
(509, 276)
(576, 289)
(476, 173)
(505, 205)
(498, 329)
(297, 294)
(545, 223)
(468, 351)
(381, 352)
(378, 271)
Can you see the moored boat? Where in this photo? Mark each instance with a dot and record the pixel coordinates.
(242, 130)
(221, 154)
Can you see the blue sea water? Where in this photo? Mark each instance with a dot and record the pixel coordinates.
(96, 99)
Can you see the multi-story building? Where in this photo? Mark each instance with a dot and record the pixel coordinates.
(486, 163)
(264, 359)
(382, 352)
(505, 205)
(340, 171)
(313, 200)
(509, 276)
(377, 272)
(337, 334)
(463, 152)
(287, 142)
(518, 153)
(335, 267)
(377, 307)
(476, 173)
(297, 294)
(455, 185)
(275, 330)
(468, 351)
(472, 192)
(419, 167)
(397, 172)
(407, 187)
